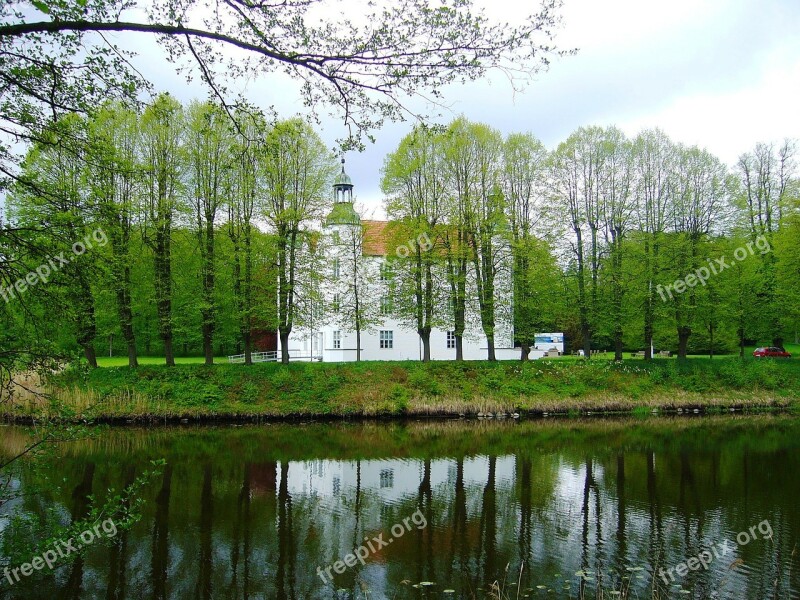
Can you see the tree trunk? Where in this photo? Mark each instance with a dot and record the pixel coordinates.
(358, 344)
(425, 336)
(208, 339)
(582, 300)
(587, 340)
(618, 291)
(126, 320)
(133, 361)
(248, 347)
(648, 309)
(85, 321)
(163, 284)
(284, 335)
(490, 344)
(169, 355)
(247, 328)
(90, 354)
(525, 352)
(683, 341)
(711, 341)
(459, 347)
(208, 292)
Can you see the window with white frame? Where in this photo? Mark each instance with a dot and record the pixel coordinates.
(336, 268)
(451, 339)
(337, 340)
(387, 339)
(336, 304)
(387, 478)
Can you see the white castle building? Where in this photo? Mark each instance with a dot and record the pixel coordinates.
(331, 338)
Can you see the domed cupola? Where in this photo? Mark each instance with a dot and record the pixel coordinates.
(343, 212)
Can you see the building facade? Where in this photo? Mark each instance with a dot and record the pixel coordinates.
(357, 273)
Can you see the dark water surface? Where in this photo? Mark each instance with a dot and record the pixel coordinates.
(262, 511)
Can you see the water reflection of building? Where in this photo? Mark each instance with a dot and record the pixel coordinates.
(390, 481)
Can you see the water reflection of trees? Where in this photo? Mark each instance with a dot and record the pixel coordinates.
(231, 524)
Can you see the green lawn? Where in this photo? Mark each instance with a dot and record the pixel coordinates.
(154, 392)
(122, 361)
(793, 349)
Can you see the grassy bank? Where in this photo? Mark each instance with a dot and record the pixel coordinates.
(412, 388)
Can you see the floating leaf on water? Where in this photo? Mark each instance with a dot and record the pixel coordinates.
(738, 562)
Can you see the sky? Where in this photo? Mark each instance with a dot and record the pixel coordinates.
(721, 74)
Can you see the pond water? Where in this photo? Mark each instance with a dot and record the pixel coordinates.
(649, 508)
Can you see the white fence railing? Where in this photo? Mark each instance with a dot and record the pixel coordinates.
(272, 356)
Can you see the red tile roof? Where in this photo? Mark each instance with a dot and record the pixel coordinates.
(375, 237)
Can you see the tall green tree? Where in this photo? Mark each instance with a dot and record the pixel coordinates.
(163, 128)
(766, 182)
(485, 224)
(460, 162)
(617, 209)
(52, 198)
(298, 170)
(209, 143)
(653, 162)
(700, 194)
(244, 192)
(525, 171)
(576, 167)
(416, 197)
(115, 182)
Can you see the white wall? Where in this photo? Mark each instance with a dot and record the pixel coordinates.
(406, 343)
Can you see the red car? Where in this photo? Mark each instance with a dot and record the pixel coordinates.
(772, 352)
